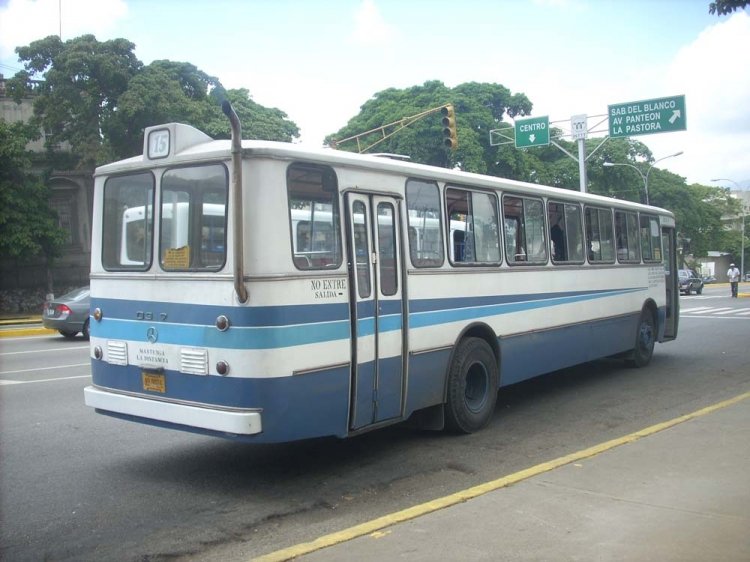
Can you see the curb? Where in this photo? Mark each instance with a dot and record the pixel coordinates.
(20, 332)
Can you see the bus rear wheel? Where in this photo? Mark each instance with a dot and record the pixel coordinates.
(645, 339)
(472, 386)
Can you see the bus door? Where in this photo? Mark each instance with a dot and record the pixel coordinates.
(377, 308)
(670, 271)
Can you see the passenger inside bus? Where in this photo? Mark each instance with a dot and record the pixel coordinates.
(557, 235)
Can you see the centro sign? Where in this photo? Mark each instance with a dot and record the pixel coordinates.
(647, 117)
(532, 132)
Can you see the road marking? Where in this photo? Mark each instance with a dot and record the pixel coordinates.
(381, 523)
(44, 368)
(695, 309)
(2, 382)
(44, 350)
(709, 317)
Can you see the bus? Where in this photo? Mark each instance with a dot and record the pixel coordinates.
(268, 292)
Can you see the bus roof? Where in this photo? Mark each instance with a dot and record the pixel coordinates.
(191, 145)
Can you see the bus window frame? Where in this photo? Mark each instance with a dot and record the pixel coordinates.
(470, 191)
(566, 231)
(195, 255)
(148, 264)
(300, 261)
(637, 240)
(521, 222)
(598, 209)
(425, 263)
(650, 238)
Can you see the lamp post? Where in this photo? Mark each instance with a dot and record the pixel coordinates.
(644, 177)
(742, 230)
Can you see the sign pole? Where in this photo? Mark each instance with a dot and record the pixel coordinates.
(582, 163)
(579, 128)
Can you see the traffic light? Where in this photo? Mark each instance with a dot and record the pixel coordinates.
(450, 140)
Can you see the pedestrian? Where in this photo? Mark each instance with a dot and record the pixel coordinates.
(734, 278)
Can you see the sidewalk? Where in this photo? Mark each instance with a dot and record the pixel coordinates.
(674, 492)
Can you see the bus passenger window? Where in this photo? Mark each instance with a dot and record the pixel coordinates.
(313, 217)
(525, 237)
(557, 232)
(423, 205)
(650, 238)
(599, 235)
(626, 235)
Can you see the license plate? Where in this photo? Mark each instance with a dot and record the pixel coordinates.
(153, 382)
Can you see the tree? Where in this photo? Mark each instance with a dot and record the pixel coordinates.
(98, 97)
(258, 122)
(162, 92)
(479, 108)
(28, 227)
(83, 80)
(724, 7)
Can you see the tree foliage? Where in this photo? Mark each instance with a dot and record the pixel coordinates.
(28, 227)
(98, 97)
(479, 108)
(83, 80)
(724, 7)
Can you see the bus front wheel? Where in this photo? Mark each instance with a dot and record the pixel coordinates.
(645, 339)
(472, 386)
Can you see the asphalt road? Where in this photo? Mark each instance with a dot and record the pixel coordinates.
(79, 486)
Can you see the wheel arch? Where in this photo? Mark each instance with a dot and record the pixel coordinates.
(650, 305)
(479, 330)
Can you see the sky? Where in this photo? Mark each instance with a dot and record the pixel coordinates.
(320, 60)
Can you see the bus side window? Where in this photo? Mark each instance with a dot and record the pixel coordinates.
(650, 238)
(423, 216)
(566, 235)
(599, 235)
(556, 219)
(626, 234)
(525, 241)
(313, 217)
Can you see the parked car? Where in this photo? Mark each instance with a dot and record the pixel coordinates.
(69, 314)
(689, 282)
(709, 279)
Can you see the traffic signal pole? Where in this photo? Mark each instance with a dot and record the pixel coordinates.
(448, 121)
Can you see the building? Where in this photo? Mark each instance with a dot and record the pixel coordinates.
(72, 198)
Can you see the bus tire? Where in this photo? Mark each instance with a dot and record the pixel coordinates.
(472, 386)
(645, 339)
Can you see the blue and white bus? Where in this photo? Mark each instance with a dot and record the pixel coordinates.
(311, 292)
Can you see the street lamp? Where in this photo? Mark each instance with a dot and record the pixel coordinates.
(644, 177)
(742, 245)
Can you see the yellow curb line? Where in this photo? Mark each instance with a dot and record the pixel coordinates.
(476, 491)
(20, 332)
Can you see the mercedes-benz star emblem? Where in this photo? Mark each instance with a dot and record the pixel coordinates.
(152, 335)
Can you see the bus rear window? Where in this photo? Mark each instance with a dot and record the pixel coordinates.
(128, 222)
(193, 218)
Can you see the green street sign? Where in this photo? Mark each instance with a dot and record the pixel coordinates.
(532, 132)
(647, 117)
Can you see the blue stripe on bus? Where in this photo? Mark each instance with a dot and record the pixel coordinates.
(424, 319)
(307, 330)
(191, 313)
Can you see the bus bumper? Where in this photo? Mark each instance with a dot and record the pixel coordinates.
(238, 422)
